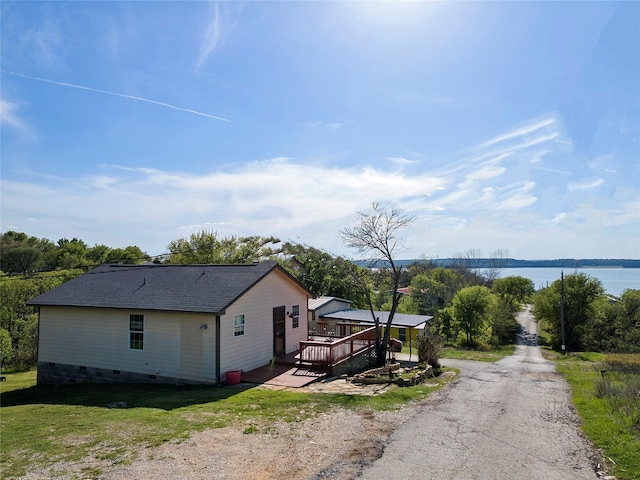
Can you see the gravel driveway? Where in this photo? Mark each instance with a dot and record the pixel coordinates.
(506, 420)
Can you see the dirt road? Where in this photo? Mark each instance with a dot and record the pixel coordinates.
(506, 420)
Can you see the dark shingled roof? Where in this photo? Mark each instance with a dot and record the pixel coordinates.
(183, 288)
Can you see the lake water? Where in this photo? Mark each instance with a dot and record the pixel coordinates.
(614, 280)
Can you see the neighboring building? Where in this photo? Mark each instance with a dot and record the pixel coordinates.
(321, 305)
(333, 316)
(168, 323)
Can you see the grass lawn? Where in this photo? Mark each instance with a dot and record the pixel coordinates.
(612, 425)
(41, 426)
(489, 356)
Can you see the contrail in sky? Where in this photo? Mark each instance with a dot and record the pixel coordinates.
(131, 97)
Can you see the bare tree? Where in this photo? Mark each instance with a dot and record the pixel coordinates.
(495, 264)
(376, 236)
(478, 269)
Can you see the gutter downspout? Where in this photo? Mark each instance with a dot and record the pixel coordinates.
(217, 349)
(38, 348)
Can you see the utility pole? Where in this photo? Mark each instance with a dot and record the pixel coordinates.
(563, 348)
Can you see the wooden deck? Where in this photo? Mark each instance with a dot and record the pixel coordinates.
(312, 362)
(325, 354)
(282, 375)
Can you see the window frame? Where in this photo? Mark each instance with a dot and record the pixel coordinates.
(239, 329)
(402, 334)
(136, 331)
(295, 316)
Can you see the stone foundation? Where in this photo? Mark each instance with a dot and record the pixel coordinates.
(57, 374)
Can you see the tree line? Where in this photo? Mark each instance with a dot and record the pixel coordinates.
(22, 254)
(593, 321)
(469, 309)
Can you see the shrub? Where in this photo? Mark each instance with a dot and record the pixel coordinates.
(620, 386)
(429, 348)
(6, 350)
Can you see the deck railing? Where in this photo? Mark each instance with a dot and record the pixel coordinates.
(329, 353)
(335, 329)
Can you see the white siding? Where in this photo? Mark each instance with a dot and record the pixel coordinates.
(255, 348)
(334, 305)
(174, 344)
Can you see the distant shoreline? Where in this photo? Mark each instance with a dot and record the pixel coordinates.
(515, 263)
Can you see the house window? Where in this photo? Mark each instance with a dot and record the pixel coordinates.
(295, 316)
(402, 334)
(136, 332)
(238, 325)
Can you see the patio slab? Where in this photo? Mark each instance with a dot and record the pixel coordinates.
(282, 375)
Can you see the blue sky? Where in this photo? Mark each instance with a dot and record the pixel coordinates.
(498, 125)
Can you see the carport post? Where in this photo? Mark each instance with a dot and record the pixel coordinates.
(409, 343)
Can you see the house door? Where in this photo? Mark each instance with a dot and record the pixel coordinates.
(278, 331)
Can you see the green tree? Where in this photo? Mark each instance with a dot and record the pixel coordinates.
(26, 351)
(22, 259)
(446, 283)
(513, 291)
(98, 254)
(617, 328)
(581, 295)
(421, 295)
(206, 247)
(19, 319)
(446, 324)
(130, 255)
(470, 309)
(323, 273)
(434, 289)
(20, 253)
(504, 324)
(6, 349)
(376, 235)
(630, 321)
(69, 254)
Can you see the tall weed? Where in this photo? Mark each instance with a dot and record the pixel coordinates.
(620, 386)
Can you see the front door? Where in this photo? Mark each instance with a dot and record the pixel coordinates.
(278, 331)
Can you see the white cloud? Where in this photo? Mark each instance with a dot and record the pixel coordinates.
(553, 170)
(274, 196)
(518, 201)
(539, 139)
(204, 226)
(626, 215)
(9, 117)
(402, 161)
(519, 132)
(484, 200)
(211, 37)
(329, 126)
(486, 173)
(538, 156)
(586, 185)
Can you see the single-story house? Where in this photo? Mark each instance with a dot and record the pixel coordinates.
(168, 323)
(332, 316)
